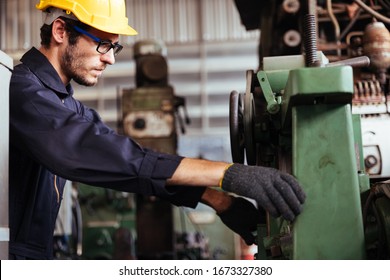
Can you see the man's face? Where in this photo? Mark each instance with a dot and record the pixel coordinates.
(81, 61)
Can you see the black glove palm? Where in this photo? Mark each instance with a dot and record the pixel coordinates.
(242, 217)
(277, 192)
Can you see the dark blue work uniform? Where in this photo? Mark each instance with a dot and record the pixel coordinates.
(54, 137)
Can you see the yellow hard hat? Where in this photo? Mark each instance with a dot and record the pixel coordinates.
(105, 15)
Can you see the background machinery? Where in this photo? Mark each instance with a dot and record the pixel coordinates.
(150, 111)
(318, 109)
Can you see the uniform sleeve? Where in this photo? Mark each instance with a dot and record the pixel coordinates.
(77, 146)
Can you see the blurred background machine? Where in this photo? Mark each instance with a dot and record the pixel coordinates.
(6, 66)
(150, 111)
(306, 111)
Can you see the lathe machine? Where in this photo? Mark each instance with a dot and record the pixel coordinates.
(296, 115)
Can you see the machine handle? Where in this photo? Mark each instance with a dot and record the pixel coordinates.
(361, 61)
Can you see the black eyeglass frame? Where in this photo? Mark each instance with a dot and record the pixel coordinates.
(115, 46)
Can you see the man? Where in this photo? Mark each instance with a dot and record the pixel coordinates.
(54, 137)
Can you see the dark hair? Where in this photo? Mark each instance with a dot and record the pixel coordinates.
(69, 23)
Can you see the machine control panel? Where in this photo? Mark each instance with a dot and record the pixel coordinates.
(376, 150)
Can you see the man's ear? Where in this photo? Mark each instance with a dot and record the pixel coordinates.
(58, 31)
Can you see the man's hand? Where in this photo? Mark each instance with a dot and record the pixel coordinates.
(242, 217)
(277, 192)
(236, 213)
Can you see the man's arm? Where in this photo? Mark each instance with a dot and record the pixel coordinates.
(240, 215)
(198, 172)
(277, 192)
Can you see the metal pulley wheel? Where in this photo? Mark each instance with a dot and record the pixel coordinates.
(242, 123)
(249, 120)
(236, 119)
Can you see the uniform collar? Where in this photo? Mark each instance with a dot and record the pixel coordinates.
(44, 70)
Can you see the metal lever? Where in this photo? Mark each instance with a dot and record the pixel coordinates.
(273, 105)
(180, 102)
(361, 61)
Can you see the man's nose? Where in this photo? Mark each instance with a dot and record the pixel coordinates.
(108, 57)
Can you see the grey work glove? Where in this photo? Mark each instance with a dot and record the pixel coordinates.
(277, 192)
(242, 217)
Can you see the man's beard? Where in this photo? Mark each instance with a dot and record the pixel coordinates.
(71, 61)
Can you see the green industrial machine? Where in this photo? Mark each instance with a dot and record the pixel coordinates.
(296, 116)
(108, 223)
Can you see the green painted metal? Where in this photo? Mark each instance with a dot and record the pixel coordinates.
(357, 129)
(261, 248)
(332, 81)
(320, 142)
(278, 79)
(310, 86)
(324, 162)
(273, 105)
(364, 178)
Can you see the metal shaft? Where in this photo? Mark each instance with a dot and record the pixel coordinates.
(310, 40)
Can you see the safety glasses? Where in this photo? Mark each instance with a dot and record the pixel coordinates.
(104, 46)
